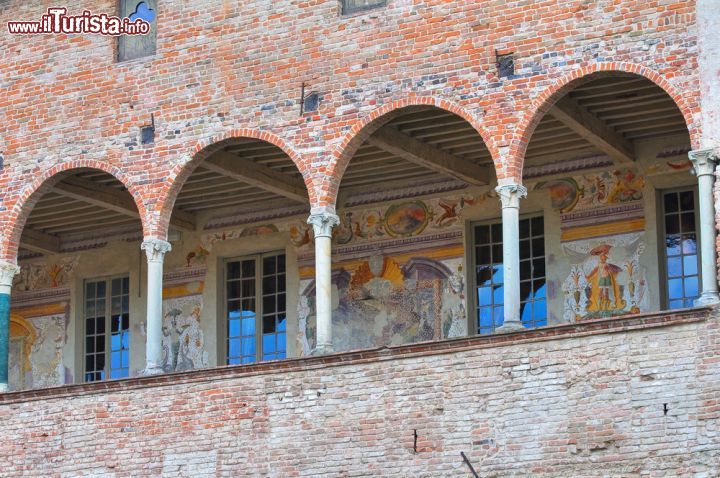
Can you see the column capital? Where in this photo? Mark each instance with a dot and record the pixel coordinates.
(704, 161)
(155, 249)
(510, 194)
(323, 223)
(7, 273)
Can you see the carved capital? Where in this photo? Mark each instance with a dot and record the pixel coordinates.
(510, 195)
(7, 273)
(704, 161)
(323, 223)
(155, 249)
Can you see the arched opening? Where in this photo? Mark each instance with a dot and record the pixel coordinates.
(608, 173)
(77, 292)
(413, 178)
(232, 293)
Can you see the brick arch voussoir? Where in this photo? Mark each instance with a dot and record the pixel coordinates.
(202, 150)
(363, 128)
(21, 205)
(563, 85)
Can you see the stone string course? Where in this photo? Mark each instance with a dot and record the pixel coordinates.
(234, 69)
(634, 397)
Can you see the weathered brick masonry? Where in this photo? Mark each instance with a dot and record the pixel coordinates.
(632, 396)
(628, 397)
(227, 69)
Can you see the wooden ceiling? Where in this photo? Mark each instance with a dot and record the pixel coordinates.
(605, 116)
(416, 146)
(86, 202)
(247, 171)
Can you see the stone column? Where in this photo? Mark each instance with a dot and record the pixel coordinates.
(155, 250)
(323, 224)
(510, 195)
(7, 272)
(704, 167)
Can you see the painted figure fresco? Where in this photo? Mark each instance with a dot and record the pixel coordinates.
(183, 341)
(605, 278)
(604, 287)
(380, 300)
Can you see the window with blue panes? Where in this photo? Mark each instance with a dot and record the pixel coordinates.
(681, 255)
(533, 302)
(107, 329)
(256, 308)
(489, 282)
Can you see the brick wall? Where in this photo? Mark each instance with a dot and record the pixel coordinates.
(626, 397)
(228, 69)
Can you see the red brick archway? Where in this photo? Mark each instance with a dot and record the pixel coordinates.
(688, 105)
(367, 125)
(20, 207)
(202, 150)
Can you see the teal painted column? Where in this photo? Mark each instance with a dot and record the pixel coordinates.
(7, 272)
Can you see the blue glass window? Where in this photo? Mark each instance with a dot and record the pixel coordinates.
(255, 295)
(533, 303)
(107, 329)
(489, 274)
(682, 285)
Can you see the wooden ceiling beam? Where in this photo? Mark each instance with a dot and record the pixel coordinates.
(37, 241)
(114, 200)
(256, 175)
(422, 154)
(590, 128)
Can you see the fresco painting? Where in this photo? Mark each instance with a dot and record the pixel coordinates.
(22, 338)
(394, 220)
(379, 301)
(606, 278)
(45, 275)
(46, 357)
(38, 331)
(404, 219)
(183, 341)
(17, 364)
(593, 191)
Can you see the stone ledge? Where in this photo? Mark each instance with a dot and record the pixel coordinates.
(564, 331)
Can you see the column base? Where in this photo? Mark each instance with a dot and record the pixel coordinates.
(152, 371)
(707, 299)
(4, 388)
(323, 349)
(509, 327)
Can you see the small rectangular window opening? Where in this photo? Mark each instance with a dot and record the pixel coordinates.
(353, 6)
(130, 47)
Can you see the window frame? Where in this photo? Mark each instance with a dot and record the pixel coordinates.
(119, 46)
(344, 11)
(471, 261)
(663, 273)
(108, 280)
(222, 346)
